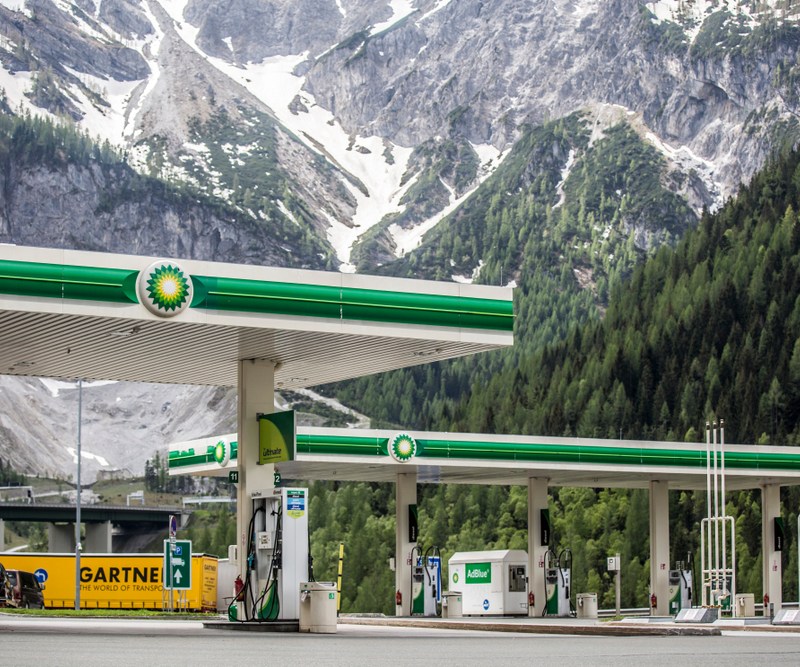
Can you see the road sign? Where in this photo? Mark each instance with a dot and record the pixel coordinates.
(173, 529)
(178, 565)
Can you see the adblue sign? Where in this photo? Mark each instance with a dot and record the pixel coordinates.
(478, 573)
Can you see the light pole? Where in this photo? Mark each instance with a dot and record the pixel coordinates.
(78, 505)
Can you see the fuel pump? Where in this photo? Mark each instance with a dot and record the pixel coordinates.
(558, 572)
(426, 581)
(277, 557)
(681, 590)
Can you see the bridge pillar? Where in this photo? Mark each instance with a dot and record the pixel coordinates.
(406, 506)
(256, 380)
(2, 535)
(538, 542)
(771, 558)
(61, 538)
(659, 547)
(98, 538)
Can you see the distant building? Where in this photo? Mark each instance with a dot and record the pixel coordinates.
(114, 474)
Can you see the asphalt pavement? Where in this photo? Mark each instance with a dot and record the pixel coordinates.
(92, 642)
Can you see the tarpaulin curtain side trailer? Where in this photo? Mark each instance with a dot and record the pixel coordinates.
(115, 581)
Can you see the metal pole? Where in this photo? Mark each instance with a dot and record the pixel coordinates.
(339, 578)
(707, 569)
(78, 505)
(617, 586)
(716, 510)
(722, 503)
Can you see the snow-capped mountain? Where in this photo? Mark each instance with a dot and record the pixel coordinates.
(346, 134)
(309, 112)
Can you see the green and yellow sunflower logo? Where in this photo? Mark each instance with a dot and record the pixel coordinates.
(402, 447)
(164, 288)
(222, 453)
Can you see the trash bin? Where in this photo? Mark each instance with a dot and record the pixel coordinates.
(586, 604)
(745, 605)
(451, 604)
(318, 607)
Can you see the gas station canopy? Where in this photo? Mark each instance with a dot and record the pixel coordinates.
(365, 455)
(69, 314)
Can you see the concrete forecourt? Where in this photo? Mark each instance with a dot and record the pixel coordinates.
(90, 643)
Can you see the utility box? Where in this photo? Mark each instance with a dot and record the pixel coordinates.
(318, 607)
(452, 606)
(586, 605)
(492, 583)
(745, 605)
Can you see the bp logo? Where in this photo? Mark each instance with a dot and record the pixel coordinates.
(402, 447)
(164, 288)
(455, 577)
(222, 453)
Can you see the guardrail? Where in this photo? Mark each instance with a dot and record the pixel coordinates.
(645, 611)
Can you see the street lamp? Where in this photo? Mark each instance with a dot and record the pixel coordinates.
(78, 506)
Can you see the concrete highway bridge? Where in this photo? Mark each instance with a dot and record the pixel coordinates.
(106, 526)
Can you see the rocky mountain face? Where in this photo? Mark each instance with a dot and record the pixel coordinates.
(354, 134)
(314, 113)
(110, 208)
(122, 424)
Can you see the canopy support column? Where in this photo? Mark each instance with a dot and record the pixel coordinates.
(659, 547)
(771, 557)
(405, 538)
(539, 538)
(256, 395)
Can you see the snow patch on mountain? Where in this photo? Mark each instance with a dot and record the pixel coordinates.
(684, 158)
(490, 158)
(441, 4)
(15, 86)
(106, 122)
(468, 280)
(407, 239)
(691, 15)
(377, 164)
(16, 6)
(149, 49)
(87, 456)
(400, 9)
(565, 172)
(359, 420)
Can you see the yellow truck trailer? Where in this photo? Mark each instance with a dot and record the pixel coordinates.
(117, 581)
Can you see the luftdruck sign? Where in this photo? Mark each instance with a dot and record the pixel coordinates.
(478, 573)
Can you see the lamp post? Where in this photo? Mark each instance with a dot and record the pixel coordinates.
(78, 505)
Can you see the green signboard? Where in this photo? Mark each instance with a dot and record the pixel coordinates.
(276, 437)
(178, 565)
(478, 573)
